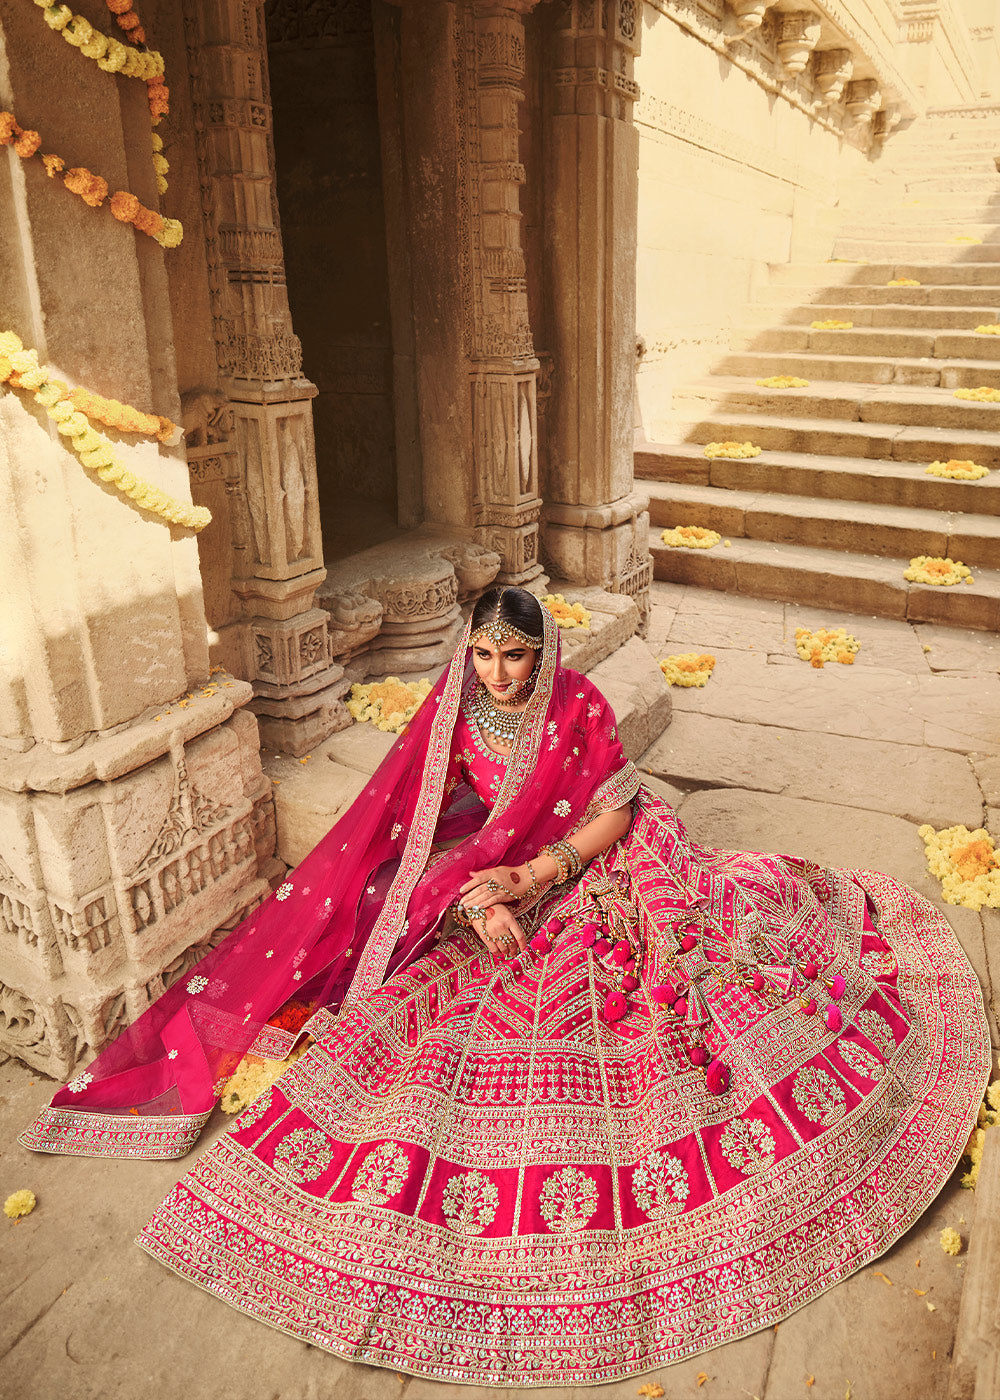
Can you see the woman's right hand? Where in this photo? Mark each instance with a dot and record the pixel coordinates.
(500, 932)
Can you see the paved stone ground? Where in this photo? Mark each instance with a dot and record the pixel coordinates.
(840, 765)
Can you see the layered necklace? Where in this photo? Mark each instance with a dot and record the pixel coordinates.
(493, 719)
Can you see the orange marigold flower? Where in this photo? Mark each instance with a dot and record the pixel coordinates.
(27, 143)
(124, 206)
(138, 34)
(54, 165)
(118, 7)
(128, 20)
(91, 188)
(148, 221)
(158, 95)
(8, 128)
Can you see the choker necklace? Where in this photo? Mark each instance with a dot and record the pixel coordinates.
(502, 724)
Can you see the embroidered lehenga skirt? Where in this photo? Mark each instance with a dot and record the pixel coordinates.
(483, 1174)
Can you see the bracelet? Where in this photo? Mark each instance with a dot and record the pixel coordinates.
(533, 887)
(567, 859)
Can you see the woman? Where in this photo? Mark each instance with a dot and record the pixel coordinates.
(583, 1097)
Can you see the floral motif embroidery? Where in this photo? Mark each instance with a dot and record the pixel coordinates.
(878, 964)
(819, 1096)
(878, 1031)
(196, 985)
(568, 1199)
(381, 1174)
(77, 1085)
(396, 829)
(747, 1145)
(171, 1054)
(470, 1202)
(283, 891)
(303, 1155)
(862, 1061)
(254, 1112)
(660, 1185)
(562, 808)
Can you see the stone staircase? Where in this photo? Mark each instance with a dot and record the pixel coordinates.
(839, 501)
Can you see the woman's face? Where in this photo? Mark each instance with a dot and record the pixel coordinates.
(500, 668)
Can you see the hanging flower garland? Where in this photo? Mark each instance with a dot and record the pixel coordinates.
(980, 395)
(92, 189)
(955, 470)
(732, 449)
(21, 370)
(689, 668)
(691, 537)
(927, 568)
(823, 645)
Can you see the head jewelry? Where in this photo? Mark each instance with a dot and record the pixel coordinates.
(498, 630)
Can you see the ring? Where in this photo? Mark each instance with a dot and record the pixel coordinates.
(495, 887)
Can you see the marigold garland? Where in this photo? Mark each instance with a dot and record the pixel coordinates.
(981, 395)
(110, 55)
(388, 704)
(928, 568)
(567, 615)
(955, 470)
(21, 369)
(904, 282)
(990, 329)
(782, 381)
(690, 537)
(92, 189)
(735, 450)
(988, 1117)
(688, 668)
(822, 646)
(966, 864)
(832, 325)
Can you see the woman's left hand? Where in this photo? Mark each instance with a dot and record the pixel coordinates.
(501, 884)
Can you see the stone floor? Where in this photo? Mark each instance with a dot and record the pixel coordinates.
(840, 764)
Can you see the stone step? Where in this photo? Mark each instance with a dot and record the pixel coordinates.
(879, 272)
(915, 249)
(889, 315)
(861, 369)
(783, 294)
(900, 405)
(905, 225)
(910, 344)
(853, 582)
(845, 438)
(822, 478)
(877, 528)
(943, 182)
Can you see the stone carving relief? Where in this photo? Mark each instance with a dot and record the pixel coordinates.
(863, 100)
(832, 72)
(798, 35)
(296, 22)
(207, 416)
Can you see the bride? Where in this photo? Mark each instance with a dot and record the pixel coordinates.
(583, 1097)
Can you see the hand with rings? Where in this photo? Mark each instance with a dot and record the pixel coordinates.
(498, 885)
(499, 930)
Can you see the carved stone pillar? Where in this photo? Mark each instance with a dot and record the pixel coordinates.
(503, 366)
(798, 35)
(283, 639)
(135, 820)
(594, 525)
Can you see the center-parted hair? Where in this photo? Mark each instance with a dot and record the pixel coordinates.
(518, 608)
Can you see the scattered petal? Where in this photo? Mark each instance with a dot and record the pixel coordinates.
(23, 1203)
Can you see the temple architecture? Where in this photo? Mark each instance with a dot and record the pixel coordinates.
(439, 259)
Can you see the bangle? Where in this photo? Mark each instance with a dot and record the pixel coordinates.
(567, 859)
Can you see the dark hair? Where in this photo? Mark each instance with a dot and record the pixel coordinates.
(517, 606)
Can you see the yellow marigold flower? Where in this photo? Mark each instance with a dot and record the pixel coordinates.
(951, 1241)
(981, 395)
(822, 646)
(19, 1203)
(171, 234)
(966, 864)
(782, 381)
(927, 568)
(904, 281)
(568, 615)
(690, 537)
(958, 470)
(832, 325)
(732, 449)
(991, 329)
(688, 668)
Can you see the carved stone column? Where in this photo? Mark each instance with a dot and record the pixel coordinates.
(798, 35)
(594, 525)
(283, 639)
(135, 821)
(503, 366)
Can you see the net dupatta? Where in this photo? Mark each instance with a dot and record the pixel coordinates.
(362, 904)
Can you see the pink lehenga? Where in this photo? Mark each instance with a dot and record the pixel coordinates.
(715, 1085)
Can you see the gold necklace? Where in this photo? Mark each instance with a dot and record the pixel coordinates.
(504, 725)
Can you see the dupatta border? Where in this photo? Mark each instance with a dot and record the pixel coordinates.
(77, 1132)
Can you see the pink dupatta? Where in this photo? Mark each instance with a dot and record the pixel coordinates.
(362, 904)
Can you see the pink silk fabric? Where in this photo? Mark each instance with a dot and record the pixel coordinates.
(367, 900)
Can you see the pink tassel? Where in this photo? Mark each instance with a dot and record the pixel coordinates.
(552, 927)
(838, 987)
(698, 1055)
(621, 952)
(615, 1007)
(680, 1006)
(540, 944)
(717, 1077)
(629, 983)
(663, 995)
(588, 935)
(602, 947)
(758, 982)
(810, 970)
(834, 1017)
(808, 1008)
